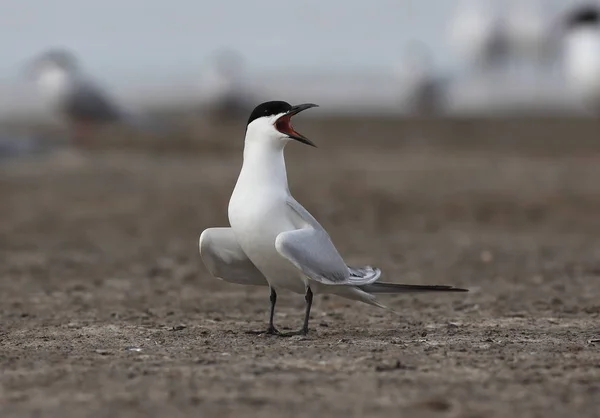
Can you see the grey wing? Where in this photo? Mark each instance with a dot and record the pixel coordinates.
(89, 103)
(303, 215)
(226, 260)
(312, 251)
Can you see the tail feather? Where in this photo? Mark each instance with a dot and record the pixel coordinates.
(383, 287)
(363, 275)
(356, 293)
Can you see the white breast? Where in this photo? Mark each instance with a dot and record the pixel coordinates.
(258, 213)
(257, 220)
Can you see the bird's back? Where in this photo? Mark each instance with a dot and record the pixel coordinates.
(88, 103)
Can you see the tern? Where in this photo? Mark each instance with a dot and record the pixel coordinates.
(273, 240)
(224, 88)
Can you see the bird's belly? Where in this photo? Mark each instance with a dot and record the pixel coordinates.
(256, 235)
(280, 272)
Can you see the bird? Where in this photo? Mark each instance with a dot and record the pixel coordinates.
(273, 240)
(478, 34)
(421, 88)
(529, 33)
(68, 91)
(223, 88)
(582, 54)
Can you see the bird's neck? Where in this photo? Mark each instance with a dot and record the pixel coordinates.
(264, 164)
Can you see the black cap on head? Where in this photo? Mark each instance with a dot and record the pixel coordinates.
(587, 15)
(275, 107)
(283, 123)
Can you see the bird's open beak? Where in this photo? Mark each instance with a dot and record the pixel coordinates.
(284, 124)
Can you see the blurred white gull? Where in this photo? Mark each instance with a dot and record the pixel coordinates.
(582, 54)
(73, 96)
(419, 85)
(478, 35)
(223, 88)
(529, 33)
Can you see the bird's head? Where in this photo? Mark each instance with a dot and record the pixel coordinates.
(271, 121)
(54, 70)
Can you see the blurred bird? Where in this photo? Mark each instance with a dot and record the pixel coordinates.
(222, 86)
(478, 35)
(529, 34)
(68, 91)
(582, 54)
(273, 240)
(420, 86)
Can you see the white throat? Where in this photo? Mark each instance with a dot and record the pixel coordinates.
(264, 162)
(263, 177)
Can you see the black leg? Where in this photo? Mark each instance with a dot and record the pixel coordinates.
(273, 298)
(308, 297)
(271, 330)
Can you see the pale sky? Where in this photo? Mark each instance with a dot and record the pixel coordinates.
(154, 38)
(130, 43)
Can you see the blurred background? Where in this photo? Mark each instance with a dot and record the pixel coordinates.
(451, 58)
(458, 141)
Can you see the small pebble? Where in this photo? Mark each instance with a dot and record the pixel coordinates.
(178, 327)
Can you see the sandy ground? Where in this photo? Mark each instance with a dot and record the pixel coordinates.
(107, 310)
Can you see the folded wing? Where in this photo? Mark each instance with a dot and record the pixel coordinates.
(312, 252)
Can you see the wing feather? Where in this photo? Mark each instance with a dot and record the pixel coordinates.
(226, 260)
